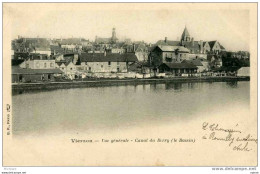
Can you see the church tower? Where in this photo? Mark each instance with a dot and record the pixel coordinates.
(185, 35)
(113, 39)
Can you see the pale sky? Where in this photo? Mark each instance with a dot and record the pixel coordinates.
(229, 27)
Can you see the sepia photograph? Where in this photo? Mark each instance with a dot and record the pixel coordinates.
(130, 84)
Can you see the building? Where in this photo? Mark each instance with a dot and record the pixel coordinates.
(56, 50)
(71, 57)
(215, 61)
(106, 62)
(140, 67)
(33, 75)
(31, 45)
(243, 72)
(117, 50)
(168, 54)
(197, 49)
(37, 67)
(215, 47)
(141, 51)
(42, 50)
(70, 69)
(205, 63)
(110, 40)
(61, 66)
(197, 63)
(177, 69)
(38, 61)
(58, 57)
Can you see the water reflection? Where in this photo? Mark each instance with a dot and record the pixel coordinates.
(232, 84)
(114, 107)
(174, 86)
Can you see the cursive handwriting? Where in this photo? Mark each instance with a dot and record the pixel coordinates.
(247, 138)
(240, 147)
(215, 127)
(231, 136)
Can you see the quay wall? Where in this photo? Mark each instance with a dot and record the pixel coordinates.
(20, 87)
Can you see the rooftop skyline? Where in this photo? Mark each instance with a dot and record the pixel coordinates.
(229, 27)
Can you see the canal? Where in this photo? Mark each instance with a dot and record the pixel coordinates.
(119, 108)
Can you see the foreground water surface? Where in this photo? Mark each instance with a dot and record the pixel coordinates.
(123, 107)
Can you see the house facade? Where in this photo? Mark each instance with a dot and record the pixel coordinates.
(38, 64)
(197, 63)
(35, 68)
(107, 62)
(177, 69)
(168, 54)
(21, 75)
(215, 47)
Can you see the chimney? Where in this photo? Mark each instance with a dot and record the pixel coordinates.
(105, 53)
(192, 41)
(165, 40)
(133, 47)
(201, 46)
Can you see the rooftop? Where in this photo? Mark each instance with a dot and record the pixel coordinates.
(194, 62)
(180, 65)
(173, 48)
(109, 57)
(18, 70)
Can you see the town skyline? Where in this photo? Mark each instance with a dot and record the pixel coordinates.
(228, 27)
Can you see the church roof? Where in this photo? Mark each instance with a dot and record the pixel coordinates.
(167, 48)
(192, 45)
(185, 33)
(168, 42)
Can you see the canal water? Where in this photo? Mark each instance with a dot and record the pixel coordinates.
(123, 107)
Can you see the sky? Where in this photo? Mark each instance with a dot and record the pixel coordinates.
(229, 27)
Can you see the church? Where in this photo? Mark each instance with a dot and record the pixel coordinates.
(110, 40)
(196, 48)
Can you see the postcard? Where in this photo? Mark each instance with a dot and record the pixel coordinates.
(129, 84)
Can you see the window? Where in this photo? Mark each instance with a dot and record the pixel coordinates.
(168, 59)
(27, 65)
(89, 68)
(117, 63)
(86, 63)
(45, 65)
(70, 68)
(109, 63)
(38, 65)
(101, 66)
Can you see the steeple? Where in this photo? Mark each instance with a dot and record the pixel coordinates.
(113, 39)
(185, 35)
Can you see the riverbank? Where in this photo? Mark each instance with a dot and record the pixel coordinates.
(20, 87)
